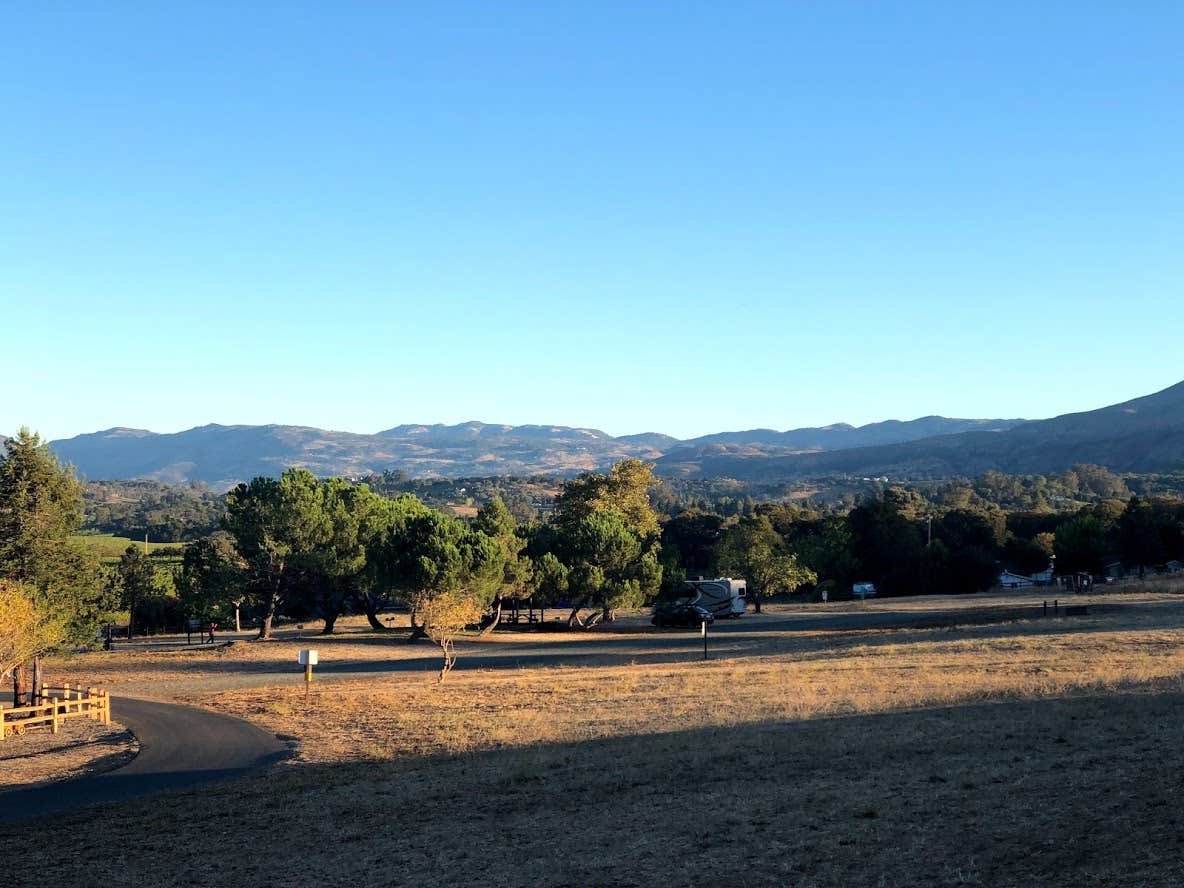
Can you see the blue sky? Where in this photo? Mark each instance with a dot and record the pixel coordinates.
(678, 217)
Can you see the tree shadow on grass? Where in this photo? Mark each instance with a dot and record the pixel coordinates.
(1065, 792)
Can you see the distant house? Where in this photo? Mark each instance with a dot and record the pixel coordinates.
(1173, 567)
(1043, 578)
(1009, 580)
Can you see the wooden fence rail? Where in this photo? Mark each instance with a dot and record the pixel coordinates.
(74, 702)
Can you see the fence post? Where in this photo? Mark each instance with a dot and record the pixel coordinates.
(54, 704)
(106, 708)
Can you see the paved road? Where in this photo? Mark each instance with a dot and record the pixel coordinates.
(179, 746)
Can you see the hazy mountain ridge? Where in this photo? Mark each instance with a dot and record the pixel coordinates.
(1142, 435)
(222, 455)
(842, 436)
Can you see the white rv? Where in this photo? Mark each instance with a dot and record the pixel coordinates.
(724, 597)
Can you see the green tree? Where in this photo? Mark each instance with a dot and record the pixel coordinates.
(624, 490)
(334, 568)
(609, 566)
(40, 508)
(495, 521)
(383, 528)
(212, 580)
(550, 578)
(752, 549)
(607, 535)
(887, 538)
(827, 548)
(134, 582)
(691, 537)
(448, 572)
(1081, 544)
(280, 528)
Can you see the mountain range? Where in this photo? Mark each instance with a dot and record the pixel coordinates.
(1145, 434)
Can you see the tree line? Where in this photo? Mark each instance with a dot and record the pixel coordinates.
(302, 547)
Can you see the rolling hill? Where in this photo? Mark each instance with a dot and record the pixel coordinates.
(222, 455)
(1142, 435)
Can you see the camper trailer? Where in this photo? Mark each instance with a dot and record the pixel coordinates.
(724, 597)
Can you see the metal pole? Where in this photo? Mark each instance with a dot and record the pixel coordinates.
(703, 629)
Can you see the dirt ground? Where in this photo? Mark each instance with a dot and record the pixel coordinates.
(79, 748)
(1078, 792)
(1031, 752)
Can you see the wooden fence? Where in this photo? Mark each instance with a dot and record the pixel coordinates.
(73, 703)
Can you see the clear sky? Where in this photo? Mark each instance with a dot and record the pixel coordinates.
(680, 217)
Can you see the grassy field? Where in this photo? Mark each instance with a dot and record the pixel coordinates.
(110, 546)
(1022, 753)
(394, 718)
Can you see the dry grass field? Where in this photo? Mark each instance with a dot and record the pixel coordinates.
(472, 711)
(1064, 792)
(1026, 752)
(81, 747)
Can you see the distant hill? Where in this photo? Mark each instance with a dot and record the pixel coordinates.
(842, 436)
(1146, 434)
(223, 455)
(1142, 435)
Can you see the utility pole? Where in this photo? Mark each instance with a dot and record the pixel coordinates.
(929, 526)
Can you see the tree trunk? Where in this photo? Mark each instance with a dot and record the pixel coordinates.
(330, 622)
(238, 626)
(265, 628)
(418, 630)
(449, 655)
(37, 682)
(756, 602)
(495, 618)
(18, 686)
(573, 619)
(370, 606)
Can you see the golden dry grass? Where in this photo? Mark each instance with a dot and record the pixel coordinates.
(1071, 793)
(81, 747)
(412, 715)
(1032, 753)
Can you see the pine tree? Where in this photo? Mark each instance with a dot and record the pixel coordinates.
(40, 508)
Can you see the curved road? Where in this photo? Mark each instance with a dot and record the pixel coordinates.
(179, 747)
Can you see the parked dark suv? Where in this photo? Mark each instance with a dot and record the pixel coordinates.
(681, 615)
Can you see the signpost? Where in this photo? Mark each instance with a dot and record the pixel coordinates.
(703, 629)
(308, 659)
